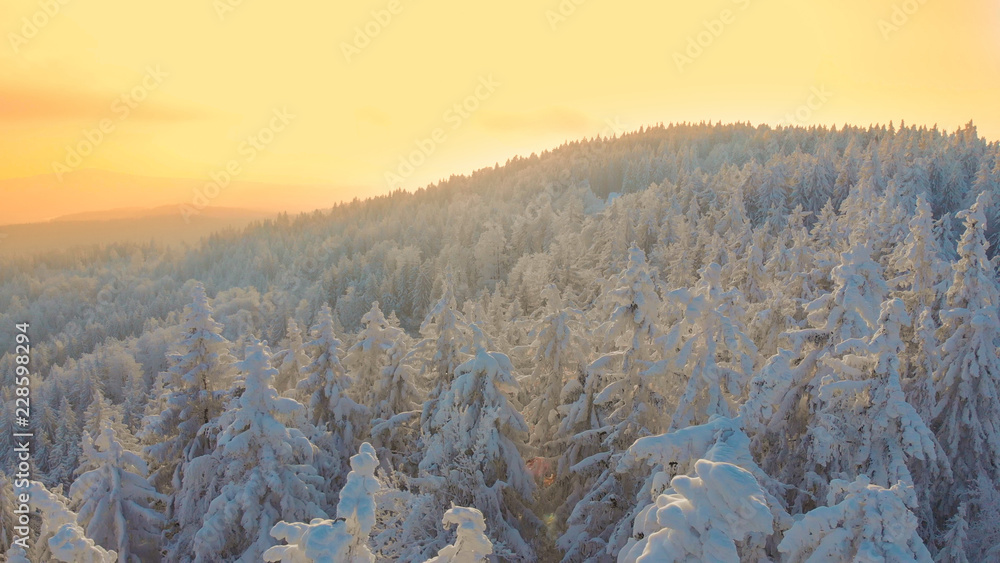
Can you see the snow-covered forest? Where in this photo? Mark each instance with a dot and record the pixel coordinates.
(688, 343)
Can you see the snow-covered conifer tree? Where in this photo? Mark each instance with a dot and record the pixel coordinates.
(851, 310)
(921, 364)
(263, 471)
(861, 522)
(984, 520)
(194, 390)
(733, 495)
(559, 348)
(584, 457)
(749, 271)
(325, 387)
(344, 540)
(394, 398)
(955, 539)
(114, 501)
(7, 421)
(916, 266)
(368, 357)
(445, 344)
(290, 359)
(472, 452)
(446, 332)
(968, 383)
(864, 423)
(631, 402)
(705, 518)
(101, 413)
(7, 518)
(710, 348)
(471, 544)
(60, 538)
(95, 415)
(796, 262)
(65, 451)
(800, 440)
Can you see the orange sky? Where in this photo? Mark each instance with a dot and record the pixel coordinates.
(291, 93)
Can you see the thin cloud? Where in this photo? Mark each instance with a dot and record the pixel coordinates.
(20, 103)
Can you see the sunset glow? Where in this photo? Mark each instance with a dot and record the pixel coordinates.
(383, 94)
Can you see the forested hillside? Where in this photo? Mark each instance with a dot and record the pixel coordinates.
(689, 343)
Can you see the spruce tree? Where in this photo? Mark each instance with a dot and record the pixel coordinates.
(262, 468)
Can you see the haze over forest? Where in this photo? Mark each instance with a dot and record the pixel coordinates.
(764, 344)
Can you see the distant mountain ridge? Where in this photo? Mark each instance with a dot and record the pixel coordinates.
(165, 210)
(113, 195)
(163, 225)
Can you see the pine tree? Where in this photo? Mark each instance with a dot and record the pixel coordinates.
(796, 442)
(357, 503)
(631, 403)
(749, 272)
(194, 390)
(968, 383)
(922, 362)
(705, 518)
(865, 425)
(445, 339)
(851, 310)
(954, 541)
(102, 412)
(264, 469)
(325, 387)
(916, 264)
(861, 522)
(114, 500)
(367, 358)
(60, 537)
(345, 539)
(7, 422)
(728, 493)
(632, 327)
(559, 348)
(133, 406)
(65, 452)
(393, 396)
(395, 391)
(472, 451)
(584, 457)
(984, 519)
(290, 359)
(710, 349)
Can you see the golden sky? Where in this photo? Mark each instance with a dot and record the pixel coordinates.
(337, 93)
